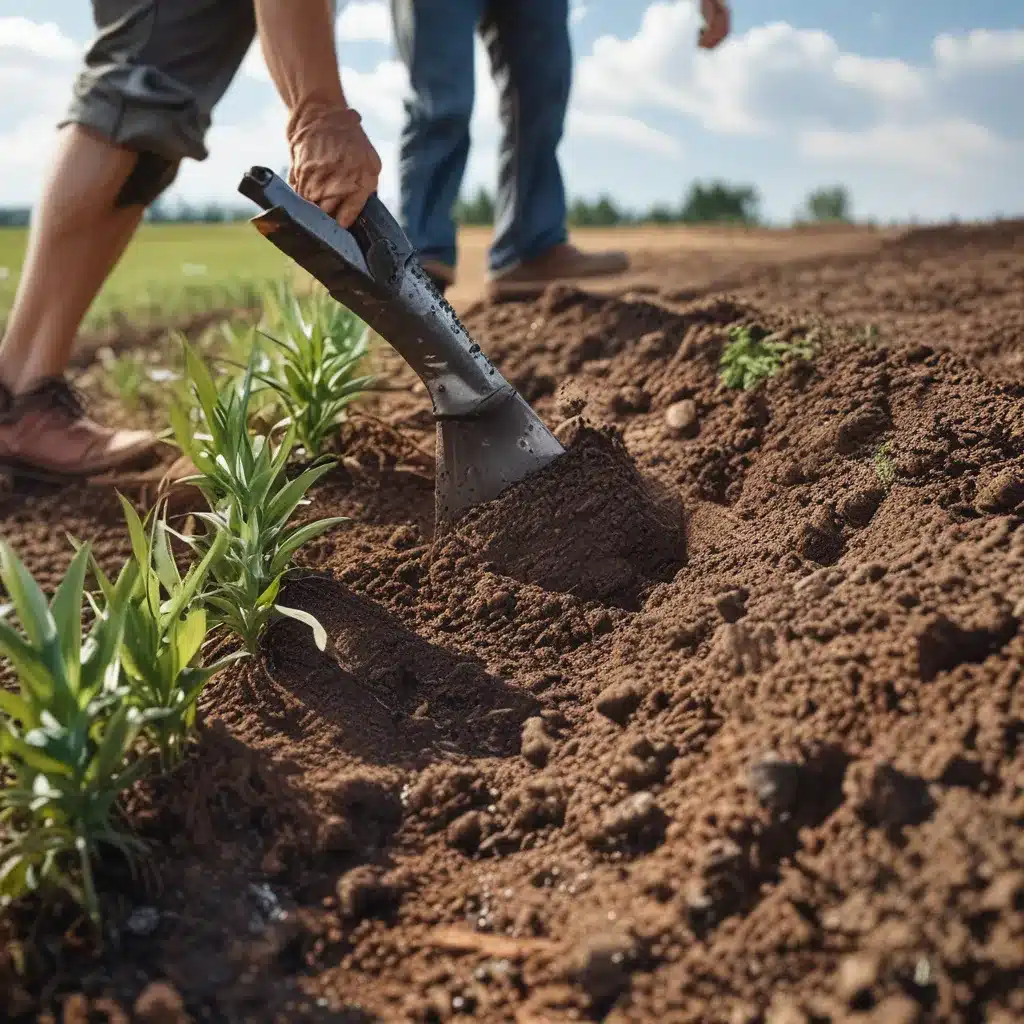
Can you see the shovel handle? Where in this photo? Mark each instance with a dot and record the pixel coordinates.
(372, 269)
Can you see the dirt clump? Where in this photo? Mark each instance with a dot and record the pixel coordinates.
(588, 525)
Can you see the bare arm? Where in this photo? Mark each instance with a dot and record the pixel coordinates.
(333, 163)
(297, 38)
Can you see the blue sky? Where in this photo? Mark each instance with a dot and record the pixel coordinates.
(909, 103)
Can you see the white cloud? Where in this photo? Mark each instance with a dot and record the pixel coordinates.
(39, 39)
(364, 21)
(622, 128)
(887, 79)
(774, 89)
(979, 49)
(944, 148)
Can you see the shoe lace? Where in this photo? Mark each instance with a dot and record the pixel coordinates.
(56, 393)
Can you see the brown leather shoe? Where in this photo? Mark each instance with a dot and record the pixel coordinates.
(46, 432)
(563, 262)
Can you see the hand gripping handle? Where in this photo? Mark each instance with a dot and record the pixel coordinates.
(372, 269)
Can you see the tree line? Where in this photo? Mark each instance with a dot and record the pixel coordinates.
(711, 202)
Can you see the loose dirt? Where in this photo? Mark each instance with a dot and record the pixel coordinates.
(717, 719)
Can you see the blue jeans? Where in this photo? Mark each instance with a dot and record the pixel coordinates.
(531, 61)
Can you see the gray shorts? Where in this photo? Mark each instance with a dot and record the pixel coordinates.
(153, 75)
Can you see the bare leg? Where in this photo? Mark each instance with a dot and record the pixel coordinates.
(76, 239)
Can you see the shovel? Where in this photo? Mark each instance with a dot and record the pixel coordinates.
(488, 437)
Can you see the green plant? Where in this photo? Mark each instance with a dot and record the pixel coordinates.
(885, 468)
(251, 501)
(213, 431)
(313, 368)
(67, 735)
(752, 356)
(165, 627)
(258, 547)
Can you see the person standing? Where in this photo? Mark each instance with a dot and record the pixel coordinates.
(142, 104)
(530, 54)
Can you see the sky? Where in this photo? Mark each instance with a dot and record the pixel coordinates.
(914, 105)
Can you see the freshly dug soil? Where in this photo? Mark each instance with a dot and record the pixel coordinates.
(718, 719)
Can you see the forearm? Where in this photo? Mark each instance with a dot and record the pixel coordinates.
(297, 38)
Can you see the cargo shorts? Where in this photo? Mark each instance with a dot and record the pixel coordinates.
(152, 77)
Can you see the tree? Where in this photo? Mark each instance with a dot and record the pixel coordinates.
(604, 213)
(478, 210)
(829, 204)
(719, 202)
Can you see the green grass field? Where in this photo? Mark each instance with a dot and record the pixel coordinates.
(169, 271)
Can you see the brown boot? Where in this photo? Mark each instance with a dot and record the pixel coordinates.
(45, 432)
(562, 262)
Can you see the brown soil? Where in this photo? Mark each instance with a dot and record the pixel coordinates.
(717, 719)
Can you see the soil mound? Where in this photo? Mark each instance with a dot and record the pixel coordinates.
(556, 765)
(588, 525)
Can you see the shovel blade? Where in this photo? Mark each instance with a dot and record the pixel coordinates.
(478, 457)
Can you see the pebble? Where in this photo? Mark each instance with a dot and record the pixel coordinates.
(681, 416)
(143, 921)
(535, 745)
(774, 781)
(618, 701)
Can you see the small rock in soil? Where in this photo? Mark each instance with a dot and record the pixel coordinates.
(644, 763)
(681, 417)
(732, 604)
(619, 701)
(601, 966)
(1003, 493)
(631, 399)
(404, 537)
(160, 1003)
(638, 817)
(860, 507)
(365, 892)
(858, 975)
(537, 803)
(775, 781)
(820, 542)
(884, 796)
(535, 744)
(143, 921)
(466, 832)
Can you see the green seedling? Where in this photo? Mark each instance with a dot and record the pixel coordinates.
(214, 433)
(751, 356)
(319, 347)
(251, 502)
(258, 545)
(885, 468)
(67, 736)
(165, 628)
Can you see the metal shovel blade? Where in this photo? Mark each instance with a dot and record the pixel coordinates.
(488, 437)
(478, 458)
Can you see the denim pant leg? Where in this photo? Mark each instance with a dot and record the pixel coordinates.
(531, 60)
(435, 42)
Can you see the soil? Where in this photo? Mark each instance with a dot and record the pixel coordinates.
(718, 718)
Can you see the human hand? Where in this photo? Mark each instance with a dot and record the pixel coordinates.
(716, 23)
(333, 163)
